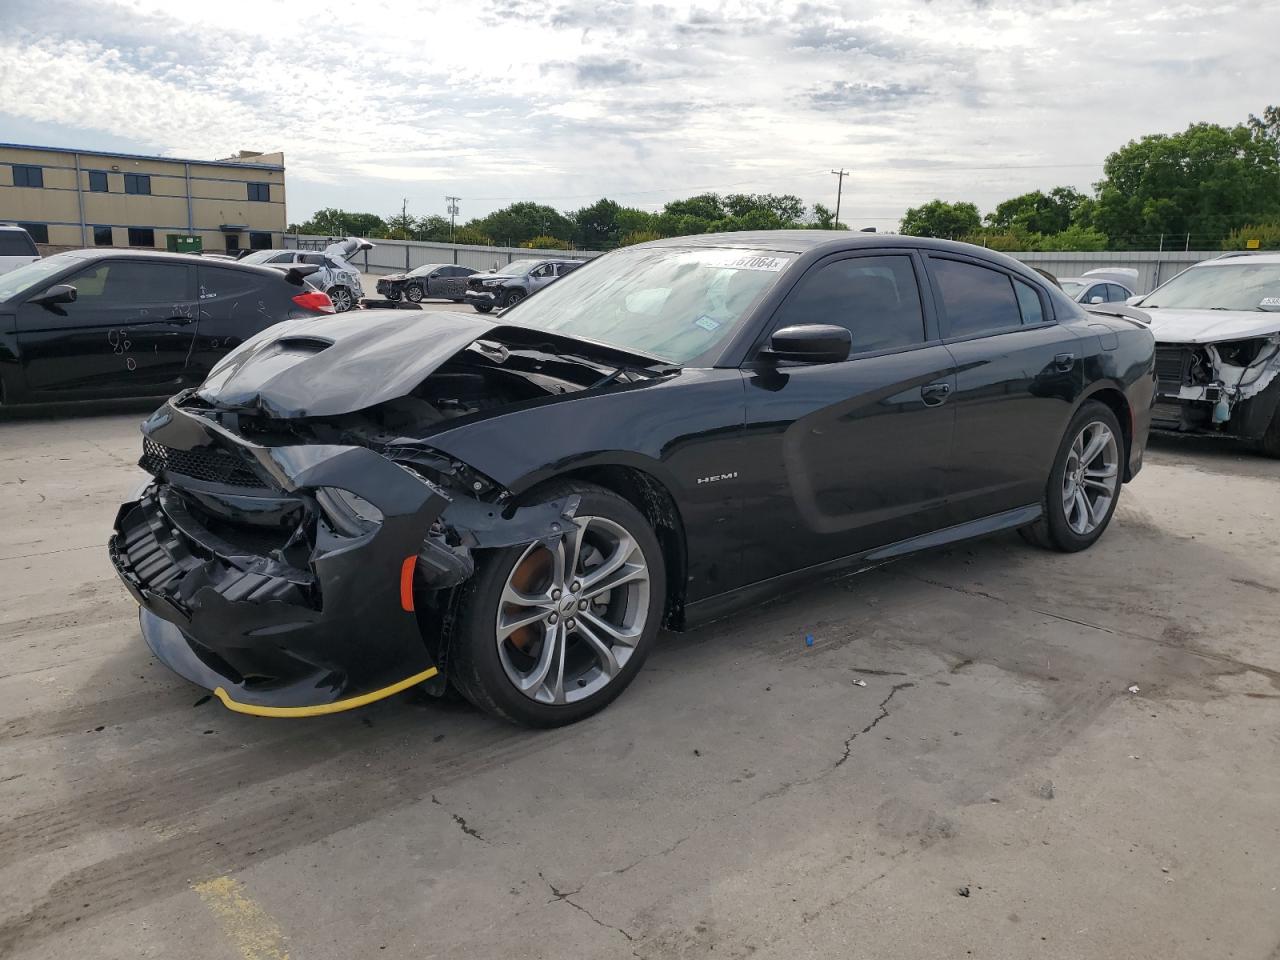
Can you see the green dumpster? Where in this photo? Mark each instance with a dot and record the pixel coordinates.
(182, 243)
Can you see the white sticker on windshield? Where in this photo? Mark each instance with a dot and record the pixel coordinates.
(1273, 302)
(752, 262)
(707, 323)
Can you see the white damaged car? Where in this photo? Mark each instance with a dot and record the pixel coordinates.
(337, 276)
(1217, 330)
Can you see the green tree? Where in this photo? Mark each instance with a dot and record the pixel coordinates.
(785, 209)
(1075, 237)
(1206, 182)
(472, 234)
(400, 226)
(546, 243)
(938, 218)
(433, 227)
(333, 222)
(824, 218)
(1267, 235)
(1037, 211)
(525, 220)
(1267, 126)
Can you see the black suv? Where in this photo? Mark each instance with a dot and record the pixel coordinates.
(131, 323)
(509, 285)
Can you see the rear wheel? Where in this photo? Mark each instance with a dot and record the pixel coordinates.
(1084, 484)
(342, 299)
(413, 293)
(550, 633)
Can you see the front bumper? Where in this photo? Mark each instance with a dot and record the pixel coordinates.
(389, 286)
(231, 606)
(487, 297)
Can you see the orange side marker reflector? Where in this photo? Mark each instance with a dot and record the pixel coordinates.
(406, 582)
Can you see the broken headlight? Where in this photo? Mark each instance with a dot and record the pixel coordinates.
(347, 513)
(1241, 353)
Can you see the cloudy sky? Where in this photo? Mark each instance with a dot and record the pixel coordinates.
(564, 101)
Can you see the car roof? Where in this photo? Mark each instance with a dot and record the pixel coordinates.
(1228, 259)
(162, 256)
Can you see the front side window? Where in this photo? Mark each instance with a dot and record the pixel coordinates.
(39, 231)
(545, 270)
(130, 281)
(673, 303)
(875, 298)
(260, 192)
(97, 181)
(26, 176)
(142, 237)
(102, 237)
(974, 299)
(139, 183)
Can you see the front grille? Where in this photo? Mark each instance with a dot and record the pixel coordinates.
(1172, 364)
(204, 463)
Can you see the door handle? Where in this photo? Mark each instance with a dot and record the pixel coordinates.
(1064, 362)
(180, 320)
(935, 393)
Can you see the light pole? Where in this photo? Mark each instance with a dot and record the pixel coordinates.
(453, 212)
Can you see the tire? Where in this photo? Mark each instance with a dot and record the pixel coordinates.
(458, 300)
(1269, 442)
(413, 293)
(342, 299)
(483, 307)
(393, 295)
(1060, 528)
(512, 298)
(487, 670)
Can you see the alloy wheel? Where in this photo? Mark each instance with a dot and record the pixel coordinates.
(342, 300)
(572, 612)
(414, 293)
(514, 297)
(1091, 477)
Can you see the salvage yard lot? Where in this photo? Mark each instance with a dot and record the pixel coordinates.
(993, 790)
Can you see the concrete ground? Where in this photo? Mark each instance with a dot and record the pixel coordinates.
(993, 790)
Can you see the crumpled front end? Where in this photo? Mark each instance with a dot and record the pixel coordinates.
(1228, 387)
(299, 579)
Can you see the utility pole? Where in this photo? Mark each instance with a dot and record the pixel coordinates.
(453, 212)
(840, 174)
(404, 220)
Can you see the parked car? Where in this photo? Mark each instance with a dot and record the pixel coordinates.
(1217, 330)
(515, 506)
(1103, 285)
(131, 323)
(509, 285)
(335, 276)
(17, 249)
(444, 280)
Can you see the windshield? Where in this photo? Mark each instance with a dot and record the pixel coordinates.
(19, 281)
(1071, 287)
(668, 302)
(1238, 286)
(517, 268)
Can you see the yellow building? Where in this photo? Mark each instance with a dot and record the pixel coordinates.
(69, 199)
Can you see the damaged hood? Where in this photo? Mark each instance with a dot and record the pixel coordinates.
(1210, 326)
(337, 364)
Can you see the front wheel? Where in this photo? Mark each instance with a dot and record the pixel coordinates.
(342, 299)
(550, 633)
(1269, 443)
(514, 297)
(414, 293)
(393, 295)
(483, 307)
(1084, 484)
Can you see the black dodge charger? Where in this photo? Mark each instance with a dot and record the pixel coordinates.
(348, 507)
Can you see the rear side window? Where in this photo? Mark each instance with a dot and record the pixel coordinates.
(316, 258)
(974, 299)
(876, 298)
(1029, 303)
(129, 281)
(219, 284)
(1116, 293)
(15, 243)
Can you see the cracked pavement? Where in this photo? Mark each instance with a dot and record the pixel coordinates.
(746, 797)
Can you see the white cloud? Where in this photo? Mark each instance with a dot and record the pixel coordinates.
(568, 100)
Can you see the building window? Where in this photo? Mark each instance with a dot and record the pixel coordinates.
(97, 181)
(137, 183)
(141, 236)
(102, 237)
(260, 241)
(232, 241)
(39, 231)
(28, 176)
(260, 191)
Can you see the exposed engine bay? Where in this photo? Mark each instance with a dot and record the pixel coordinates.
(1225, 387)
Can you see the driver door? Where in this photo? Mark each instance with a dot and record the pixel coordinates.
(128, 333)
(841, 458)
(539, 277)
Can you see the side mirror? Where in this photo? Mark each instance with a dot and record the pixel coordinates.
(58, 293)
(1133, 301)
(1095, 300)
(810, 343)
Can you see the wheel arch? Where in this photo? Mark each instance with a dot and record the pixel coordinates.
(1114, 397)
(648, 494)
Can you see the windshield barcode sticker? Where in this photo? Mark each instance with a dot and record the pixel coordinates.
(772, 264)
